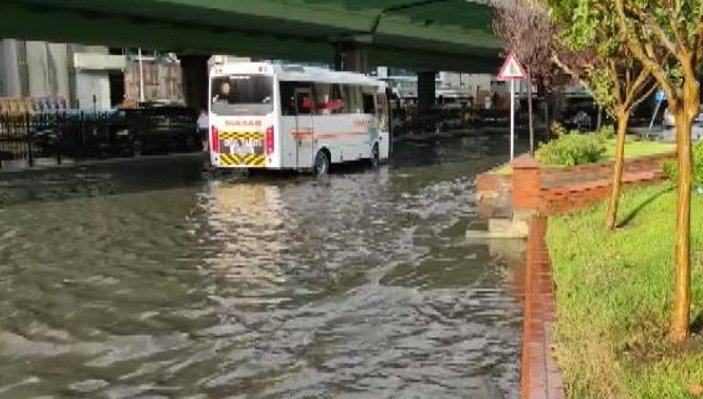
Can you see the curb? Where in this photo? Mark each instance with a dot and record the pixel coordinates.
(540, 376)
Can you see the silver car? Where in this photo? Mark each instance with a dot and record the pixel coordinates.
(697, 131)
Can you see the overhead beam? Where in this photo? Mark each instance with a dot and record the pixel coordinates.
(319, 20)
(66, 25)
(108, 23)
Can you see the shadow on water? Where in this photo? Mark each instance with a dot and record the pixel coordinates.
(100, 179)
(173, 285)
(130, 176)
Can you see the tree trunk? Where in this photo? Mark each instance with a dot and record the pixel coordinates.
(546, 113)
(529, 111)
(599, 119)
(684, 115)
(618, 166)
(544, 95)
(547, 122)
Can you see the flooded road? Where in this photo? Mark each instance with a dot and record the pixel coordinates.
(147, 280)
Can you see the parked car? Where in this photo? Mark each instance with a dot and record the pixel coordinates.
(162, 129)
(580, 121)
(580, 115)
(669, 121)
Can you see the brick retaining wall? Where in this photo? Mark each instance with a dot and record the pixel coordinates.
(555, 177)
(570, 197)
(491, 184)
(543, 192)
(567, 189)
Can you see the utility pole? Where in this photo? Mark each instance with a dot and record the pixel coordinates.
(141, 76)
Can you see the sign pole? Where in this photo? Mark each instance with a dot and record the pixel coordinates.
(651, 123)
(660, 97)
(512, 71)
(512, 120)
(141, 77)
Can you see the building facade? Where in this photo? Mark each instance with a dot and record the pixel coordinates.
(94, 78)
(78, 74)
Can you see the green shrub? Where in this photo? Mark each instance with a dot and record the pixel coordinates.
(572, 149)
(698, 164)
(558, 129)
(607, 131)
(670, 167)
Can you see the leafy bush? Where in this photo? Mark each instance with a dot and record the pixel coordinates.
(558, 129)
(670, 167)
(607, 131)
(572, 149)
(698, 164)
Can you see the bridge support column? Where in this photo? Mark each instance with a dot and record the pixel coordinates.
(195, 80)
(426, 91)
(351, 57)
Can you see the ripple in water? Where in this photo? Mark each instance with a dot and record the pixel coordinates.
(357, 287)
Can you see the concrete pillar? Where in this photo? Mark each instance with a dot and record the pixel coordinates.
(195, 80)
(351, 57)
(426, 90)
(11, 77)
(48, 69)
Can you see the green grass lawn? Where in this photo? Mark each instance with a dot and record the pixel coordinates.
(505, 170)
(633, 149)
(613, 300)
(639, 149)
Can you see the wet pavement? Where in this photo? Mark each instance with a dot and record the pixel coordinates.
(145, 279)
(667, 134)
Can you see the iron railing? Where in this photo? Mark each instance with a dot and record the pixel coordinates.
(57, 136)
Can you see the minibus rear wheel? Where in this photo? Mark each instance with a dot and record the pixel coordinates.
(322, 163)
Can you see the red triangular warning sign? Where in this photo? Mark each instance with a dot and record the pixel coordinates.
(512, 69)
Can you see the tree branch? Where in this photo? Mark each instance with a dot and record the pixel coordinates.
(648, 60)
(645, 95)
(649, 22)
(615, 77)
(569, 71)
(698, 40)
(635, 95)
(674, 10)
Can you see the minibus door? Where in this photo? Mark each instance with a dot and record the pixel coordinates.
(305, 135)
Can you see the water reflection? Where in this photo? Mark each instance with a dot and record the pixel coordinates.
(243, 222)
(359, 286)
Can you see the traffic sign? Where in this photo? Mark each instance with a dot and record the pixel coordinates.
(512, 69)
(660, 96)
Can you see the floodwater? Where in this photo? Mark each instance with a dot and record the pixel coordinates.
(147, 280)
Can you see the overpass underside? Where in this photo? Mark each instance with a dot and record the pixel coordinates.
(422, 35)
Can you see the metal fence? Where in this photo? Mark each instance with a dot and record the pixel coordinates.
(29, 138)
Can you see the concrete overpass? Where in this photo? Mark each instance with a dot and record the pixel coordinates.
(425, 35)
(419, 34)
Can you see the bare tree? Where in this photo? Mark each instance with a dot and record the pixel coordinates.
(602, 63)
(525, 28)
